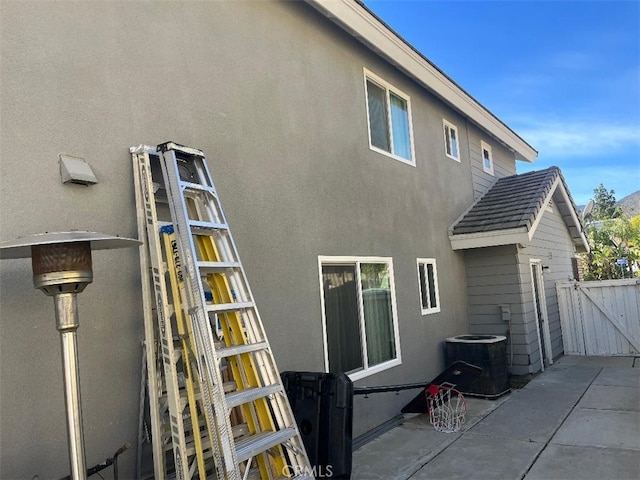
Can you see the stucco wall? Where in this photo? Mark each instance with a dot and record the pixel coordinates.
(274, 95)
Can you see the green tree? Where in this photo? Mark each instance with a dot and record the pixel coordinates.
(605, 204)
(611, 240)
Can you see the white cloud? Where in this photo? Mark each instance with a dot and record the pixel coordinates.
(578, 139)
(582, 178)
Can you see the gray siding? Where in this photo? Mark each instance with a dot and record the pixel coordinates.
(502, 276)
(552, 245)
(504, 163)
(493, 280)
(274, 94)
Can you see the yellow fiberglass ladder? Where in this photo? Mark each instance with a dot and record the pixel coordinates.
(220, 396)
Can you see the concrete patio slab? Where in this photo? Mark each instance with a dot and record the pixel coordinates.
(398, 453)
(600, 428)
(567, 375)
(531, 414)
(481, 457)
(608, 397)
(578, 420)
(596, 361)
(401, 452)
(585, 463)
(622, 377)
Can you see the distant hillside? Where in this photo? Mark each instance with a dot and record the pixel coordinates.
(630, 204)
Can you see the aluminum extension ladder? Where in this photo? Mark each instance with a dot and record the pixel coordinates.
(217, 406)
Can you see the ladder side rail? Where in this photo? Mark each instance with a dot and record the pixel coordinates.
(142, 431)
(255, 328)
(163, 313)
(149, 328)
(201, 212)
(243, 366)
(225, 455)
(175, 275)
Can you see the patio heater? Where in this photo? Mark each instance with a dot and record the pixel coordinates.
(62, 268)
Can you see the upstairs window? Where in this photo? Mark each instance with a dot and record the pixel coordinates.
(487, 158)
(389, 118)
(451, 141)
(428, 282)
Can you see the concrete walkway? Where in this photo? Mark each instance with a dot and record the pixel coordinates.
(580, 419)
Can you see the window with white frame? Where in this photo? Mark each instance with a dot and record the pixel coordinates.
(428, 282)
(359, 313)
(451, 141)
(487, 158)
(389, 118)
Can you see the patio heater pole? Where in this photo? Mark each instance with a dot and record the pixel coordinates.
(62, 268)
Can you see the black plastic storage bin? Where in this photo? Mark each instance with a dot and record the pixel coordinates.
(488, 352)
(322, 405)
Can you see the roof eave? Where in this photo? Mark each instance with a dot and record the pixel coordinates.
(524, 234)
(362, 24)
(572, 220)
(493, 238)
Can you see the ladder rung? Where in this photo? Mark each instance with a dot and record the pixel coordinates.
(228, 307)
(217, 267)
(197, 186)
(253, 445)
(250, 394)
(240, 430)
(190, 444)
(240, 349)
(229, 386)
(184, 397)
(179, 148)
(206, 447)
(198, 226)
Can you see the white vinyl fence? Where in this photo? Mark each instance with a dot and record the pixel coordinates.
(600, 318)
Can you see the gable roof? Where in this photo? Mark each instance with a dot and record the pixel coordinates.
(511, 210)
(360, 22)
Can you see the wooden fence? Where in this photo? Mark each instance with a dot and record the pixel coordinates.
(600, 318)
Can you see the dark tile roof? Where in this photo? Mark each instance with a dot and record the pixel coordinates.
(511, 202)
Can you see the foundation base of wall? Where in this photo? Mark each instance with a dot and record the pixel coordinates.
(365, 438)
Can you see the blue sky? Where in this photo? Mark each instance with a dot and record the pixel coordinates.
(565, 75)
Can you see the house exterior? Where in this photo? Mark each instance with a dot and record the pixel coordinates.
(519, 240)
(344, 160)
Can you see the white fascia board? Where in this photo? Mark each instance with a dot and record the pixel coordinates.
(489, 239)
(356, 20)
(584, 243)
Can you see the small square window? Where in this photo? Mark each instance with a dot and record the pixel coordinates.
(451, 141)
(428, 283)
(487, 158)
(389, 118)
